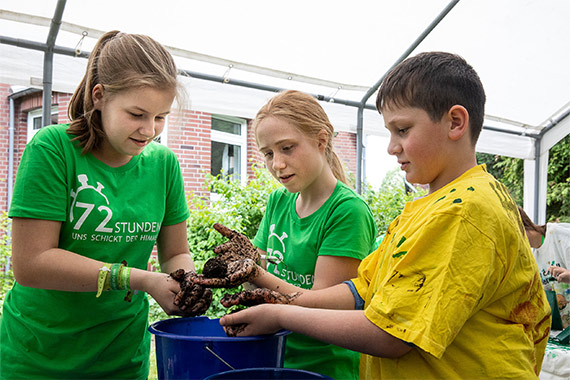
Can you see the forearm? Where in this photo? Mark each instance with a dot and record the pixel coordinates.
(344, 328)
(179, 261)
(57, 269)
(335, 297)
(264, 279)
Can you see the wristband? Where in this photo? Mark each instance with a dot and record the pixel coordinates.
(126, 277)
(102, 279)
(115, 276)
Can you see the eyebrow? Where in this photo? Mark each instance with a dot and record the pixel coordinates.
(395, 121)
(282, 141)
(145, 111)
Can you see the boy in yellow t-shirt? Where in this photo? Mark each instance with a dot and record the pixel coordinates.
(453, 291)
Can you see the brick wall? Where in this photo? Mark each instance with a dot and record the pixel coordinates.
(189, 139)
(345, 147)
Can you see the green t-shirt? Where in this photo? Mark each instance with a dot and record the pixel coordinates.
(342, 226)
(109, 214)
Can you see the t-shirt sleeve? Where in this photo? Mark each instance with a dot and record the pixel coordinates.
(350, 230)
(40, 189)
(176, 205)
(441, 277)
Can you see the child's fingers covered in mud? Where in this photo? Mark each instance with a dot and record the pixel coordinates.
(257, 296)
(256, 320)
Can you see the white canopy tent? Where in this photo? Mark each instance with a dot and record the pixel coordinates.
(237, 53)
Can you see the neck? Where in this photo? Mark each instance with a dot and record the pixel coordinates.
(314, 196)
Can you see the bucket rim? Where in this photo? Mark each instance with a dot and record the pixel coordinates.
(314, 375)
(155, 329)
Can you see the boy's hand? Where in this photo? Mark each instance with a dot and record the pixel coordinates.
(193, 299)
(235, 264)
(256, 297)
(258, 320)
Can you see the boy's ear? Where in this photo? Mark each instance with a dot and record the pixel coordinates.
(459, 118)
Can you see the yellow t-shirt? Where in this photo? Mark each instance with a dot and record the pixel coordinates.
(455, 277)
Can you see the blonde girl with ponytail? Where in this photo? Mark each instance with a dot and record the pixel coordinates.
(316, 229)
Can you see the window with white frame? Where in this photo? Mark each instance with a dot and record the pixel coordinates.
(35, 121)
(229, 147)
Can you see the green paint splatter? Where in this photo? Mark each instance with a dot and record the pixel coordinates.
(398, 254)
(452, 190)
(402, 240)
(458, 200)
(471, 188)
(439, 199)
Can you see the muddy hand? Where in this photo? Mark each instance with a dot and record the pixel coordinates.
(238, 247)
(236, 273)
(192, 299)
(256, 297)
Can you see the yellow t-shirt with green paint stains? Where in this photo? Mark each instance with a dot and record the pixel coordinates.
(455, 277)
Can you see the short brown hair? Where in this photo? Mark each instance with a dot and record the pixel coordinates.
(435, 82)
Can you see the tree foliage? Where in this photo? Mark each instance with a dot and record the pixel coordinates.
(510, 171)
(388, 201)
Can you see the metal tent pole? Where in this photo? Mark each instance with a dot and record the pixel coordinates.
(48, 62)
(371, 90)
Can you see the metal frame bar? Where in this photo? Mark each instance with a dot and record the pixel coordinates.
(48, 62)
(374, 88)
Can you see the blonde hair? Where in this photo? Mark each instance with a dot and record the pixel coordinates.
(120, 62)
(306, 114)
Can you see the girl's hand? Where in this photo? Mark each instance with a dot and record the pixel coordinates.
(235, 264)
(257, 296)
(192, 299)
(163, 288)
(166, 291)
(256, 320)
(560, 274)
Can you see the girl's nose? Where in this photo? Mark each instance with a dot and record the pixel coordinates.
(278, 162)
(148, 128)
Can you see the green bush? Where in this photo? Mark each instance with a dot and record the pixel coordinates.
(388, 201)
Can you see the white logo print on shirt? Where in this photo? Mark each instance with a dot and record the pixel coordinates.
(274, 255)
(94, 206)
(88, 207)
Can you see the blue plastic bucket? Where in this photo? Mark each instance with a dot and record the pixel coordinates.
(194, 348)
(266, 374)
